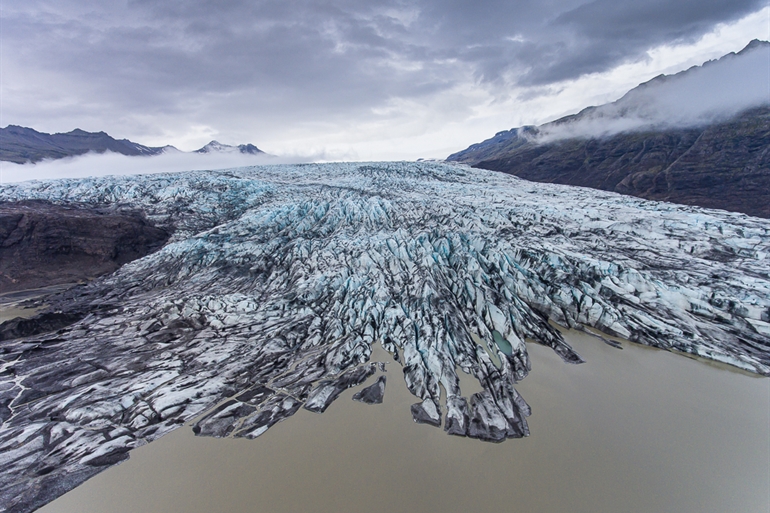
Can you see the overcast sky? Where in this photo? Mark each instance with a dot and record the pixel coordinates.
(343, 79)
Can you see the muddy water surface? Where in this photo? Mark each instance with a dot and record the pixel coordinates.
(633, 430)
(13, 304)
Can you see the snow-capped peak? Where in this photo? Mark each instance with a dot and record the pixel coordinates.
(218, 147)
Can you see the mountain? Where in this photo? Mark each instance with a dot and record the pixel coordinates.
(700, 137)
(217, 147)
(278, 281)
(19, 144)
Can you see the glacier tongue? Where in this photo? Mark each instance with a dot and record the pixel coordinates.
(278, 280)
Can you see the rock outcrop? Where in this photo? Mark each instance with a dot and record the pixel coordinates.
(20, 144)
(724, 165)
(44, 244)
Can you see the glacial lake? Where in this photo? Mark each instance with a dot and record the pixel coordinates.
(632, 430)
(11, 303)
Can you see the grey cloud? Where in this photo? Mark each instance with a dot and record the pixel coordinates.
(314, 59)
(698, 96)
(605, 33)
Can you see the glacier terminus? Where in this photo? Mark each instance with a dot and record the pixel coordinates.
(278, 281)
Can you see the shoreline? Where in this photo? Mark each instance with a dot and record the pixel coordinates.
(382, 442)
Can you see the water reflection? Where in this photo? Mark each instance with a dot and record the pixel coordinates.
(638, 430)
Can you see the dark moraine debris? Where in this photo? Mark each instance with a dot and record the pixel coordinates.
(329, 390)
(427, 412)
(222, 420)
(43, 244)
(498, 415)
(373, 394)
(279, 407)
(41, 323)
(487, 423)
(255, 396)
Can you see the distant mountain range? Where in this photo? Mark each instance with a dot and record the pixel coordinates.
(684, 138)
(217, 147)
(21, 145)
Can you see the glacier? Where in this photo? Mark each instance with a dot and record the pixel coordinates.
(279, 280)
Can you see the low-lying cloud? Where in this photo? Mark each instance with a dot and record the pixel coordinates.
(105, 164)
(701, 95)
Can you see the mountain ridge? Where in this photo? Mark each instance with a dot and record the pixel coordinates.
(218, 147)
(22, 145)
(723, 163)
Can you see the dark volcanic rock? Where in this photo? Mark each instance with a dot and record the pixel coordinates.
(19, 144)
(43, 244)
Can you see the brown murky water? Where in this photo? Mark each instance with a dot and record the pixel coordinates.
(638, 430)
(12, 303)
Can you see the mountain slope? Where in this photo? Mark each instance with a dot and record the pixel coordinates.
(694, 155)
(218, 147)
(19, 144)
(725, 166)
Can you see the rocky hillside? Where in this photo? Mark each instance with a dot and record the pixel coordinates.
(718, 162)
(725, 166)
(19, 144)
(43, 244)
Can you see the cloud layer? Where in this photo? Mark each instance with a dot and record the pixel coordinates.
(184, 72)
(105, 164)
(698, 96)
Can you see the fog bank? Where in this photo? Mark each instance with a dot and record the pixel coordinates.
(103, 164)
(701, 95)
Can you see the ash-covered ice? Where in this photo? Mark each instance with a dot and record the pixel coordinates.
(278, 281)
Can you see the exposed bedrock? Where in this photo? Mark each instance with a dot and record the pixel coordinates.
(279, 281)
(44, 244)
(723, 165)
